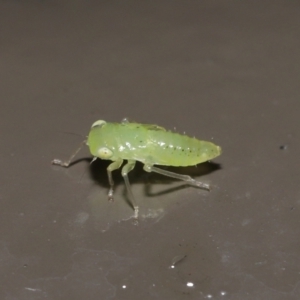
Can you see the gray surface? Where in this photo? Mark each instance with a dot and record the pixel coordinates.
(221, 71)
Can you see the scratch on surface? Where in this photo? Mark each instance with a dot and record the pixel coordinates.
(32, 290)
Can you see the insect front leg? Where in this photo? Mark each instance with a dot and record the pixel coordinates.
(66, 164)
(125, 170)
(186, 178)
(113, 166)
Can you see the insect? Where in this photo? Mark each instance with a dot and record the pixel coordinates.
(149, 144)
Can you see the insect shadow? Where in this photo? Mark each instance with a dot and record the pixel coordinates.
(138, 175)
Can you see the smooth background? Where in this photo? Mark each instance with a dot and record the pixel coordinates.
(224, 71)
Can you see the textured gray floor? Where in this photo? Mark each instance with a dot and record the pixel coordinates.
(224, 71)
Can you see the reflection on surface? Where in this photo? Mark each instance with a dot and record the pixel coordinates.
(153, 193)
(106, 213)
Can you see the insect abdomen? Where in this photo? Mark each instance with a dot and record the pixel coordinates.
(173, 149)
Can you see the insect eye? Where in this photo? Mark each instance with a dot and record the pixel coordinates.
(105, 153)
(98, 123)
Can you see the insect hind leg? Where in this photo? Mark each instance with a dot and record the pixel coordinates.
(125, 170)
(188, 179)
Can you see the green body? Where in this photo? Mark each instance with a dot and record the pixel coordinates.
(149, 144)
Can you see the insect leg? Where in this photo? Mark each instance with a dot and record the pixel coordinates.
(66, 163)
(126, 169)
(113, 166)
(186, 178)
(125, 121)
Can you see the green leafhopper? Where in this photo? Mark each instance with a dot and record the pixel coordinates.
(149, 144)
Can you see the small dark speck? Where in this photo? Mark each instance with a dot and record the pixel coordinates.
(283, 147)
